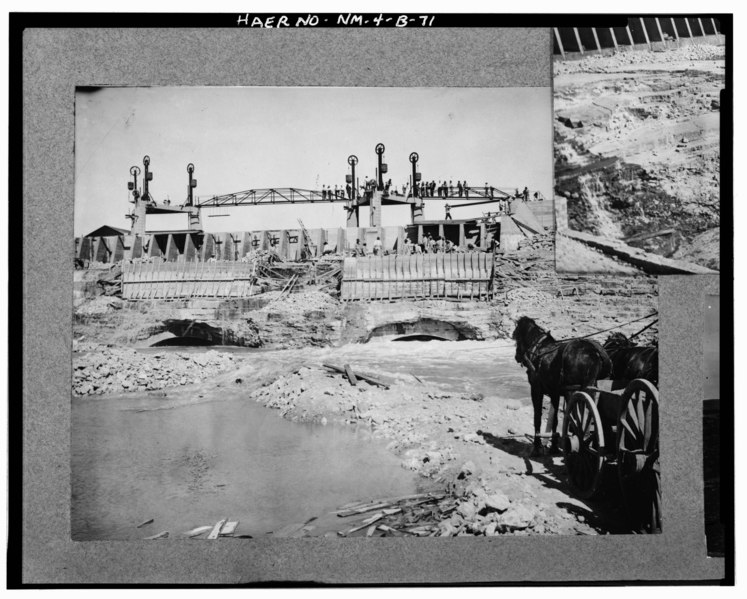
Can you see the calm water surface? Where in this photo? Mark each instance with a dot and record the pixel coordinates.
(194, 464)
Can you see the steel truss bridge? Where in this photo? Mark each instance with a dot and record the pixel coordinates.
(292, 195)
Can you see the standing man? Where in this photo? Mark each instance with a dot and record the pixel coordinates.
(448, 212)
(459, 188)
(349, 190)
(525, 193)
(466, 189)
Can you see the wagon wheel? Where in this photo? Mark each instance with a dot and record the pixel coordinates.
(638, 455)
(583, 444)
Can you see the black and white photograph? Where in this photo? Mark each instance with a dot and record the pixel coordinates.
(328, 312)
(346, 291)
(637, 158)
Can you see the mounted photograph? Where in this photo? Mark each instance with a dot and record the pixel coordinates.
(637, 145)
(325, 311)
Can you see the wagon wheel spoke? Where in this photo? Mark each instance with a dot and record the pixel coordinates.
(584, 444)
(637, 456)
(641, 416)
(625, 423)
(648, 422)
(587, 424)
(578, 417)
(634, 418)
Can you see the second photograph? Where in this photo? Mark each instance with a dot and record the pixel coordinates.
(637, 118)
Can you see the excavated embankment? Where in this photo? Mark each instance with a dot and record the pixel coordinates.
(637, 148)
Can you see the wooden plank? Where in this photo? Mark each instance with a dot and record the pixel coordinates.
(367, 522)
(196, 532)
(422, 268)
(471, 275)
(130, 292)
(350, 374)
(365, 377)
(386, 274)
(229, 528)
(412, 267)
(168, 280)
(219, 273)
(147, 281)
(391, 269)
(154, 278)
(204, 277)
(215, 279)
(370, 277)
(140, 285)
(161, 278)
(216, 529)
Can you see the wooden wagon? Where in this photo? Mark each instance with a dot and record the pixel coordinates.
(603, 428)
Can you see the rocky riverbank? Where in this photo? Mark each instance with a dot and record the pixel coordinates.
(468, 443)
(101, 370)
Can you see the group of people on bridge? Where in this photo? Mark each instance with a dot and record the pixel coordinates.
(425, 189)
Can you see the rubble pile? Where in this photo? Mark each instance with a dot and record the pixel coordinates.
(470, 511)
(108, 370)
(102, 304)
(604, 63)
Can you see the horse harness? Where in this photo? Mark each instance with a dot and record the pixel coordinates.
(529, 355)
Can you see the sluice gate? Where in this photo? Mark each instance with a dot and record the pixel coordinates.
(464, 276)
(185, 280)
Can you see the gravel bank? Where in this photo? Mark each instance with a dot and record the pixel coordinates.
(98, 369)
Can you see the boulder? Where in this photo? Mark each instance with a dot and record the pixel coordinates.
(467, 510)
(518, 517)
(497, 502)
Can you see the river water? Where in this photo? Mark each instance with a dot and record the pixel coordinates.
(137, 457)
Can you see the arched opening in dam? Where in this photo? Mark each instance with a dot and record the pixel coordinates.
(183, 342)
(423, 329)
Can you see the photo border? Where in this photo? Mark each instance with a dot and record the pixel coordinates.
(47, 63)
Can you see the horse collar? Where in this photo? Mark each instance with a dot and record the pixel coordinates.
(531, 349)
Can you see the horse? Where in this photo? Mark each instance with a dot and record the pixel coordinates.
(630, 361)
(552, 366)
